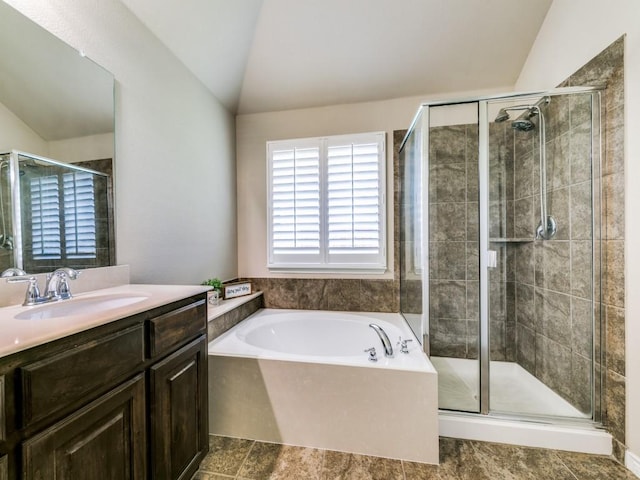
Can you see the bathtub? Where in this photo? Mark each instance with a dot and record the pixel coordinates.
(301, 377)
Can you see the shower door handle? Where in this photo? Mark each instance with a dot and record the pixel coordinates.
(492, 259)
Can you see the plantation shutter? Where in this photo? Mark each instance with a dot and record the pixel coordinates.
(295, 203)
(79, 215)
(355, 199)
(45, 218)
(327, 203)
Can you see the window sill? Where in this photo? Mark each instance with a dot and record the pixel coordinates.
(330, 271)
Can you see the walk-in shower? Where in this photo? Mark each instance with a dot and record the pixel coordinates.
(500, 252)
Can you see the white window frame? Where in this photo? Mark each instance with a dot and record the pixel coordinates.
(324, 261)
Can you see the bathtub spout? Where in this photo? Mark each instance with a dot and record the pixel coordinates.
(388, 349)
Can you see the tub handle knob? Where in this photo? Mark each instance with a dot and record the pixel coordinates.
(404, 348)
(372, 354)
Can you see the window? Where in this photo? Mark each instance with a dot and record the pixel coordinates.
(327, 203)
(63, 216)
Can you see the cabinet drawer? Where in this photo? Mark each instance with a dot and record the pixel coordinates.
(177, 327)
(56, 382)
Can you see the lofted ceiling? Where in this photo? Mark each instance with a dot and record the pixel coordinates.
(269, 55)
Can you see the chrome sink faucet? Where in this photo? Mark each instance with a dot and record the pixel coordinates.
(57, 287)
(386, 343)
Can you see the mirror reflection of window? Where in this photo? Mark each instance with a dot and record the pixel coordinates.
(63, 216)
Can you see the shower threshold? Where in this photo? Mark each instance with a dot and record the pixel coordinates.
(512, 389)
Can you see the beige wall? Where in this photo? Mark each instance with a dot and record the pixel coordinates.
(16, 135)
(175, 154)
(570, 37)
(92, 147)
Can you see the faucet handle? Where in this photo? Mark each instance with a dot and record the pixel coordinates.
(32, 296)
(13, 272)
(373, 356)
(404, 348)
(64, 291)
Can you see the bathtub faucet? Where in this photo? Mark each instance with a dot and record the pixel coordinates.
(388, 349)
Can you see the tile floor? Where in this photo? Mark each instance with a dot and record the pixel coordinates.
(459, 459)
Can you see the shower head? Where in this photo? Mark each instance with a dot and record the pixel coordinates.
(522, 124)
(502, 116)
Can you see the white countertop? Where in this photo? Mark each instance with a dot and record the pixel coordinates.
(19, 334)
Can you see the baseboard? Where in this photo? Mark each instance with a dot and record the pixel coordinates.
(632, 461)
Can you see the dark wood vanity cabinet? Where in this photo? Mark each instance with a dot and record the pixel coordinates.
(126, 400)
(105, 440)
(179, 436)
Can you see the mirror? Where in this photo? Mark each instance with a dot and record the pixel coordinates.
(54, 104)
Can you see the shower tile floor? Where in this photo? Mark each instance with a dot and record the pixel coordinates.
(234, 458)
(512, 389)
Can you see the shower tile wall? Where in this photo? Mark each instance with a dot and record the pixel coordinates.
(552, 278)
(453, 242)
(553, 286)
(608, 68)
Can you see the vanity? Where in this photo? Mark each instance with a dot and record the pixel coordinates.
(111, 384)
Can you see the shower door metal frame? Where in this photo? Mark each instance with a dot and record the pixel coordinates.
(424, 191)
(483, 206)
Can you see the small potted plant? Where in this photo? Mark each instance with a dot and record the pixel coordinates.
(216, 283)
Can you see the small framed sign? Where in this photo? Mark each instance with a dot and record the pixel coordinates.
(239, 289)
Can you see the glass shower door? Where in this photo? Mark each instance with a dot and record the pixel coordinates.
(543, 153)
(453, 262)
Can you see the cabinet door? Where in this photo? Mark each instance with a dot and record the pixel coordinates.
(105, 440)
(4, 468)
(179, 412)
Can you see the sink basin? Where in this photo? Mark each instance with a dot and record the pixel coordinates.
(79, 306)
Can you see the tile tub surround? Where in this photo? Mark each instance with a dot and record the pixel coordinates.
(236, 458)
(354, 295)
(229, 313)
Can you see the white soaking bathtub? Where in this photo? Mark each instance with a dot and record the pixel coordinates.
(302, 377)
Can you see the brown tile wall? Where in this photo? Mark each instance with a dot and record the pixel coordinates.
(453, 242)
(608, 68)
(553, 278)
(224, 322)
(356, 295)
